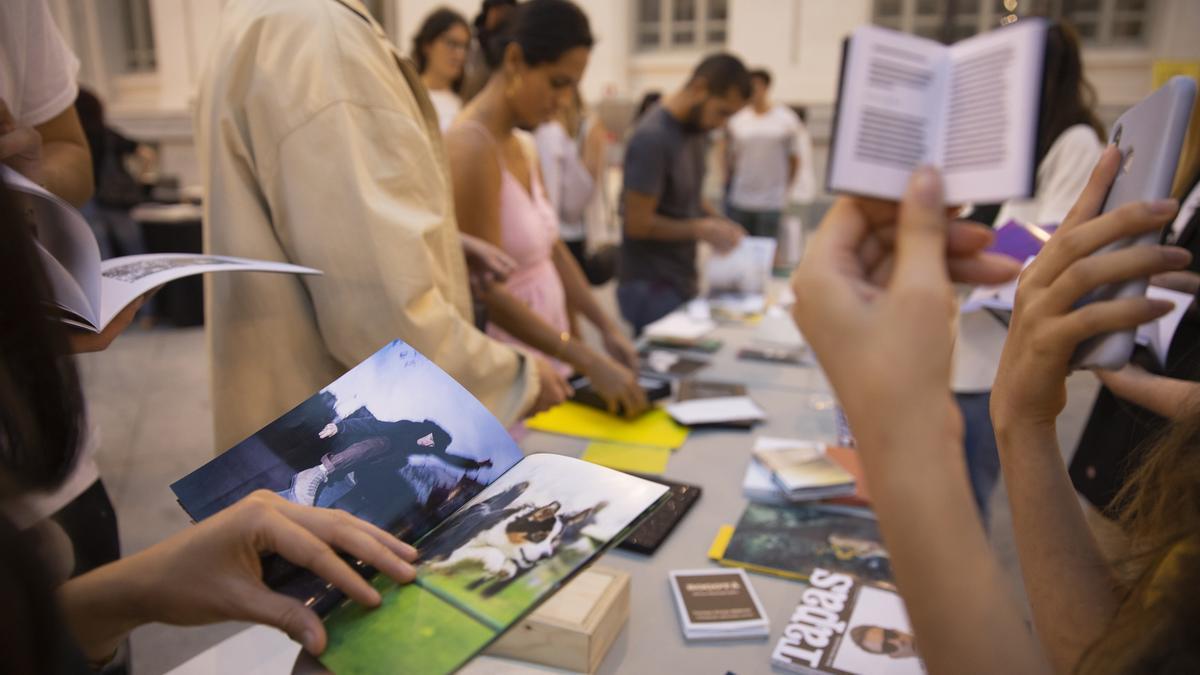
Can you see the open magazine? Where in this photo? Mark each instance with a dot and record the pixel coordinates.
(90, 292)
(399, 443)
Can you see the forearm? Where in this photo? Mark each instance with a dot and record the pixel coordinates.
(579, 292)
(1164, 396)
(518, 320)
(67, 167)
(662, 228)
(1071, 589)
(101, 607)
(957, 597)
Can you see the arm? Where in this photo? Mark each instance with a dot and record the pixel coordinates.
(1164, 396)
(897, 398)
(1072, 591)
(66, 159)
(581, 298)
(212, 572)
(394, 262)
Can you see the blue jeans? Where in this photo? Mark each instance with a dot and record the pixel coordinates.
(979, 445)
(643, 302)
(756, 223)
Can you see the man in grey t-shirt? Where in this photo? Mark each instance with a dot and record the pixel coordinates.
(665, 211)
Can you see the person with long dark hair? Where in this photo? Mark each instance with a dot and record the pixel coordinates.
(1070, 139)
(208, 573)
(537, 58)
(440, 52)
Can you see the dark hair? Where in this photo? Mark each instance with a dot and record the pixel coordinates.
(544, 29)
(648, 102)
(435, 26)
(480, 22)
(761, 74)
(41, 405)
(1068, 98)
(722, 72)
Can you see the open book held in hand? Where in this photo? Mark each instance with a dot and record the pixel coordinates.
(90, 292)
(970, 109)
(397, 442)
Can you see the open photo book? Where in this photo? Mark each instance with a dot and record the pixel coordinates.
(970, 109)
(397, 442)
(90, 292)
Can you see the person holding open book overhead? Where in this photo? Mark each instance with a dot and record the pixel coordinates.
(319, 145)
(664, 209)
(537, 58)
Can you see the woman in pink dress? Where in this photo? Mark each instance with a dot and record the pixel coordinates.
(537, 58)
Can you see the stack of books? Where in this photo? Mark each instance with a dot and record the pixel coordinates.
(803, 470)
(718, 605)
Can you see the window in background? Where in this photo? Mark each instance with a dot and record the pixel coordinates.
(1100, 23)
(138, 36)
(680, 24)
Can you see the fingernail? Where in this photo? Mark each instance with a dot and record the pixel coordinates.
(1176, 256)
(926, 186)
(311, 641)
(1163, 207)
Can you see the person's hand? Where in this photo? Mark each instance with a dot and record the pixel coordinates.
(616, 384)
(722, 234)
(213, 572)
(81, 341)
(1184, 281)
(874, 300)
(327, 431)
(553, 389)
(620, 347)
(1046, 327)
(20, 146)
(486, 263)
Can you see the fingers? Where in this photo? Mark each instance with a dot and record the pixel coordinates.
(1091, 200)
(1106, 317)
(921, 234)
(18, 141)
(1134, 262)
(286, 537)
(983, 269)
(287, 614)
(1065, 248)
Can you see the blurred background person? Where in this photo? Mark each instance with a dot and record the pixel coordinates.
(440, 51)
(573, 149)
(491, 14)
(537, 57)
(763, 154)
(665, 212)
(1070, 140)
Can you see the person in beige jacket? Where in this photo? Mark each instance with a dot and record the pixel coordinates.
(319, 147)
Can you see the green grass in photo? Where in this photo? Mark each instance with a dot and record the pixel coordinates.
(413, 631)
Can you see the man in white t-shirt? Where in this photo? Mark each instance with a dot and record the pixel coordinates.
(764, 146)
(40, 135)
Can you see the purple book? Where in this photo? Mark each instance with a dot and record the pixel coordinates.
(1019, 240)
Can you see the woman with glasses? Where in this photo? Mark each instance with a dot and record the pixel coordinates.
(440, 51)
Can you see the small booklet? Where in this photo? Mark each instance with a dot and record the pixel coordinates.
(707, 412)
(90, 292)
(680, 326)
(970, 109)
(397, 442)
(759, 486)
(718, 605)
(846, 626)
(695, 390)
(655, 529)
(790, 540)
(665, 363)
(802, 469)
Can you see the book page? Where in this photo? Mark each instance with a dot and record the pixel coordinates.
(124, 279)
(492, 562)
(888, 114)
(990, 129)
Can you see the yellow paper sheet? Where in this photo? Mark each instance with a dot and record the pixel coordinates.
(639, 458)
(654, 428)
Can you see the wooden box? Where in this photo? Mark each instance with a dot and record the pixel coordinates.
(575, 627)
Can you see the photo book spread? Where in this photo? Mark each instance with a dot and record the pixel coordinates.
(397, 442)
(90, 292)
(846, 626)
(970, 109)
(791, 540)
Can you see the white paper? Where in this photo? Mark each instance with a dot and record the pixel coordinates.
(715, 410)
(744, 270)
(1157, 336)
(778, 330)
(680, 325)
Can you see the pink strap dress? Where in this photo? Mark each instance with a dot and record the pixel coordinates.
(528, 232)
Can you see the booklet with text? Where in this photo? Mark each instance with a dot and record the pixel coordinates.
(397, 442)
(846, 626)
(970, 109)
(90, 292)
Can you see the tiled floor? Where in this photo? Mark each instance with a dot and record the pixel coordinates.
(149, 393)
